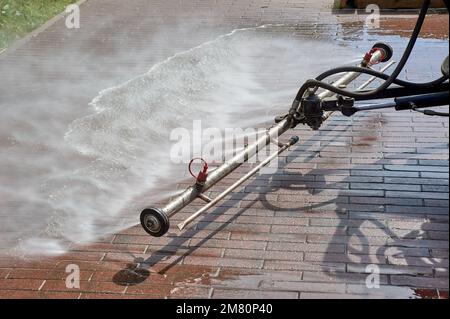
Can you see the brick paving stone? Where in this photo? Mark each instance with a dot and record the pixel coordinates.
(441, 272)
(253, 294)
(391, 269)
(229, 262)
(43, 274)
(85, 286)
(89, 295)
(28, 294)
(412, 281)
(439, 253)
(303, 266)
(314, 295)
(371, 189)
(265, 255)
(305, 286)
(416, 261)
(389, 251)
(341, 277)
(4, 273)
(385, 291)
(21, 284)
(293, 238)
(168, 291)
(418, 243)
(277, 246)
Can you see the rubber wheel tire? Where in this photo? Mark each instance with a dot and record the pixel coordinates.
(155, 222)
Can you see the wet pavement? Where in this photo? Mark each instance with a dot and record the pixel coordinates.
(365, 192)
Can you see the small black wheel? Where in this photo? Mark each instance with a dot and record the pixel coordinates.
(389, 52)
(155, 222)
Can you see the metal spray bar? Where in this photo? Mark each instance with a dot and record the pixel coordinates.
(238, 183)
(155, 221)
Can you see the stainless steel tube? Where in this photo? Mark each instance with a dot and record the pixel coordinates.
(222, 171)
(239, 182)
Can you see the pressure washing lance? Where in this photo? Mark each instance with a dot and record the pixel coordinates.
(155, 221)
(312, 108)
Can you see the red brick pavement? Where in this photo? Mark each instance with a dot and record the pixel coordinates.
(368, 190)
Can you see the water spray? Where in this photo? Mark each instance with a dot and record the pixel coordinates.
(313, 109)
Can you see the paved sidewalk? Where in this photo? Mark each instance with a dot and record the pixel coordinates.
(370, 190)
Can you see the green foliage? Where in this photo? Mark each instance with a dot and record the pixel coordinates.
(19, 17)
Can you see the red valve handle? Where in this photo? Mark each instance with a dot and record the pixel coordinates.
(203, 174)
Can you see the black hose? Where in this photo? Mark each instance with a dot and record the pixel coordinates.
(381, 76)
(409, 48)
(391, 79)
